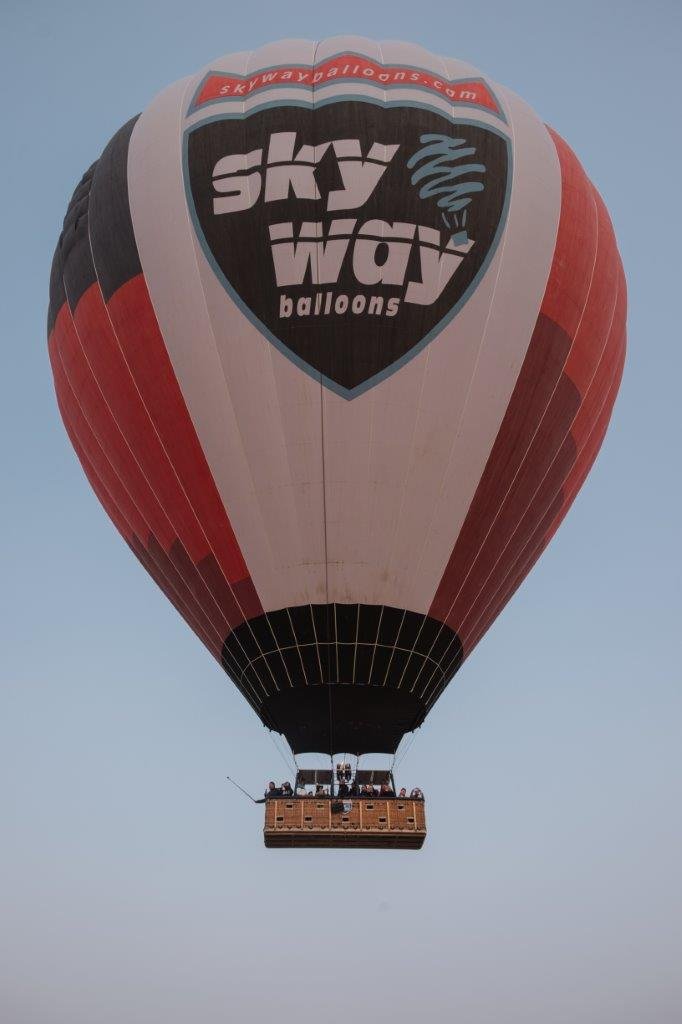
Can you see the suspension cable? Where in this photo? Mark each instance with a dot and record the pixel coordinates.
(407, 747)
(281, 752)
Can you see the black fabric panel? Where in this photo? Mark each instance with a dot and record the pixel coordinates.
(363, 718)
(111, 227)
(303, 656)
(97, 231)
(77, 206)
(73, 261)
(57, 293)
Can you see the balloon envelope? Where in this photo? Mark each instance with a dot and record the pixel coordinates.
(336, 332)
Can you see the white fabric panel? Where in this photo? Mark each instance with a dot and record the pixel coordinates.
(165, 239)
(401, 461)
(520, 272)
(432, 425)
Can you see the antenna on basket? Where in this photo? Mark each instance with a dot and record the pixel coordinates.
(237, 786)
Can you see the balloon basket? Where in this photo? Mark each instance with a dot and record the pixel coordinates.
(305, 822)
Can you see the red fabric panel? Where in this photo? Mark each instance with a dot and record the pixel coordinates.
(122, 395)
(544, 469)
(210, 641)
(93, 477)
(536, 447)
(573, 261)
(520, 532)
(601, 398)
(117, 389)
(78, 430)
(546, 528)
(612, 357)
(518, 573)
(102, 424)
(593, 332)
(535, 386)
(541, 461)
(591, 447)
(145, 354)
(115, 450)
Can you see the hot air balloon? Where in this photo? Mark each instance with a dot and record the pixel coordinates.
(336, 331)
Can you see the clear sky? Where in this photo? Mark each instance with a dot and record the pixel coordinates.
(134, 887)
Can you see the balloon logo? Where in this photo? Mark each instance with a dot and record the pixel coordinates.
(439, 162)
(336, 332)
(343, 208)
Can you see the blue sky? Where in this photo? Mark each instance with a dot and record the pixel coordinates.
(134, 884)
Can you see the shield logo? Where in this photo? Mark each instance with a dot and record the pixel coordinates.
(350, 233)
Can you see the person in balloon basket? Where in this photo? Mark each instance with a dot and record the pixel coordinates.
(416, 794)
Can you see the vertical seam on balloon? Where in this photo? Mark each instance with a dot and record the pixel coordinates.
(417, 417)
(324, 479)
(275, 385)
(355, 652)
(248, 185)
(323, 509)
(392, 549)
(376, 642)
(297, 645)
(322, 444)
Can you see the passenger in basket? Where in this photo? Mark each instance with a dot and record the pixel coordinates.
(416, 794)
(320, 790)
(272, 790)
(369, 790)
(343, 791)
(286, 789)
(386, 790)
(402, 795)
(354, 789)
